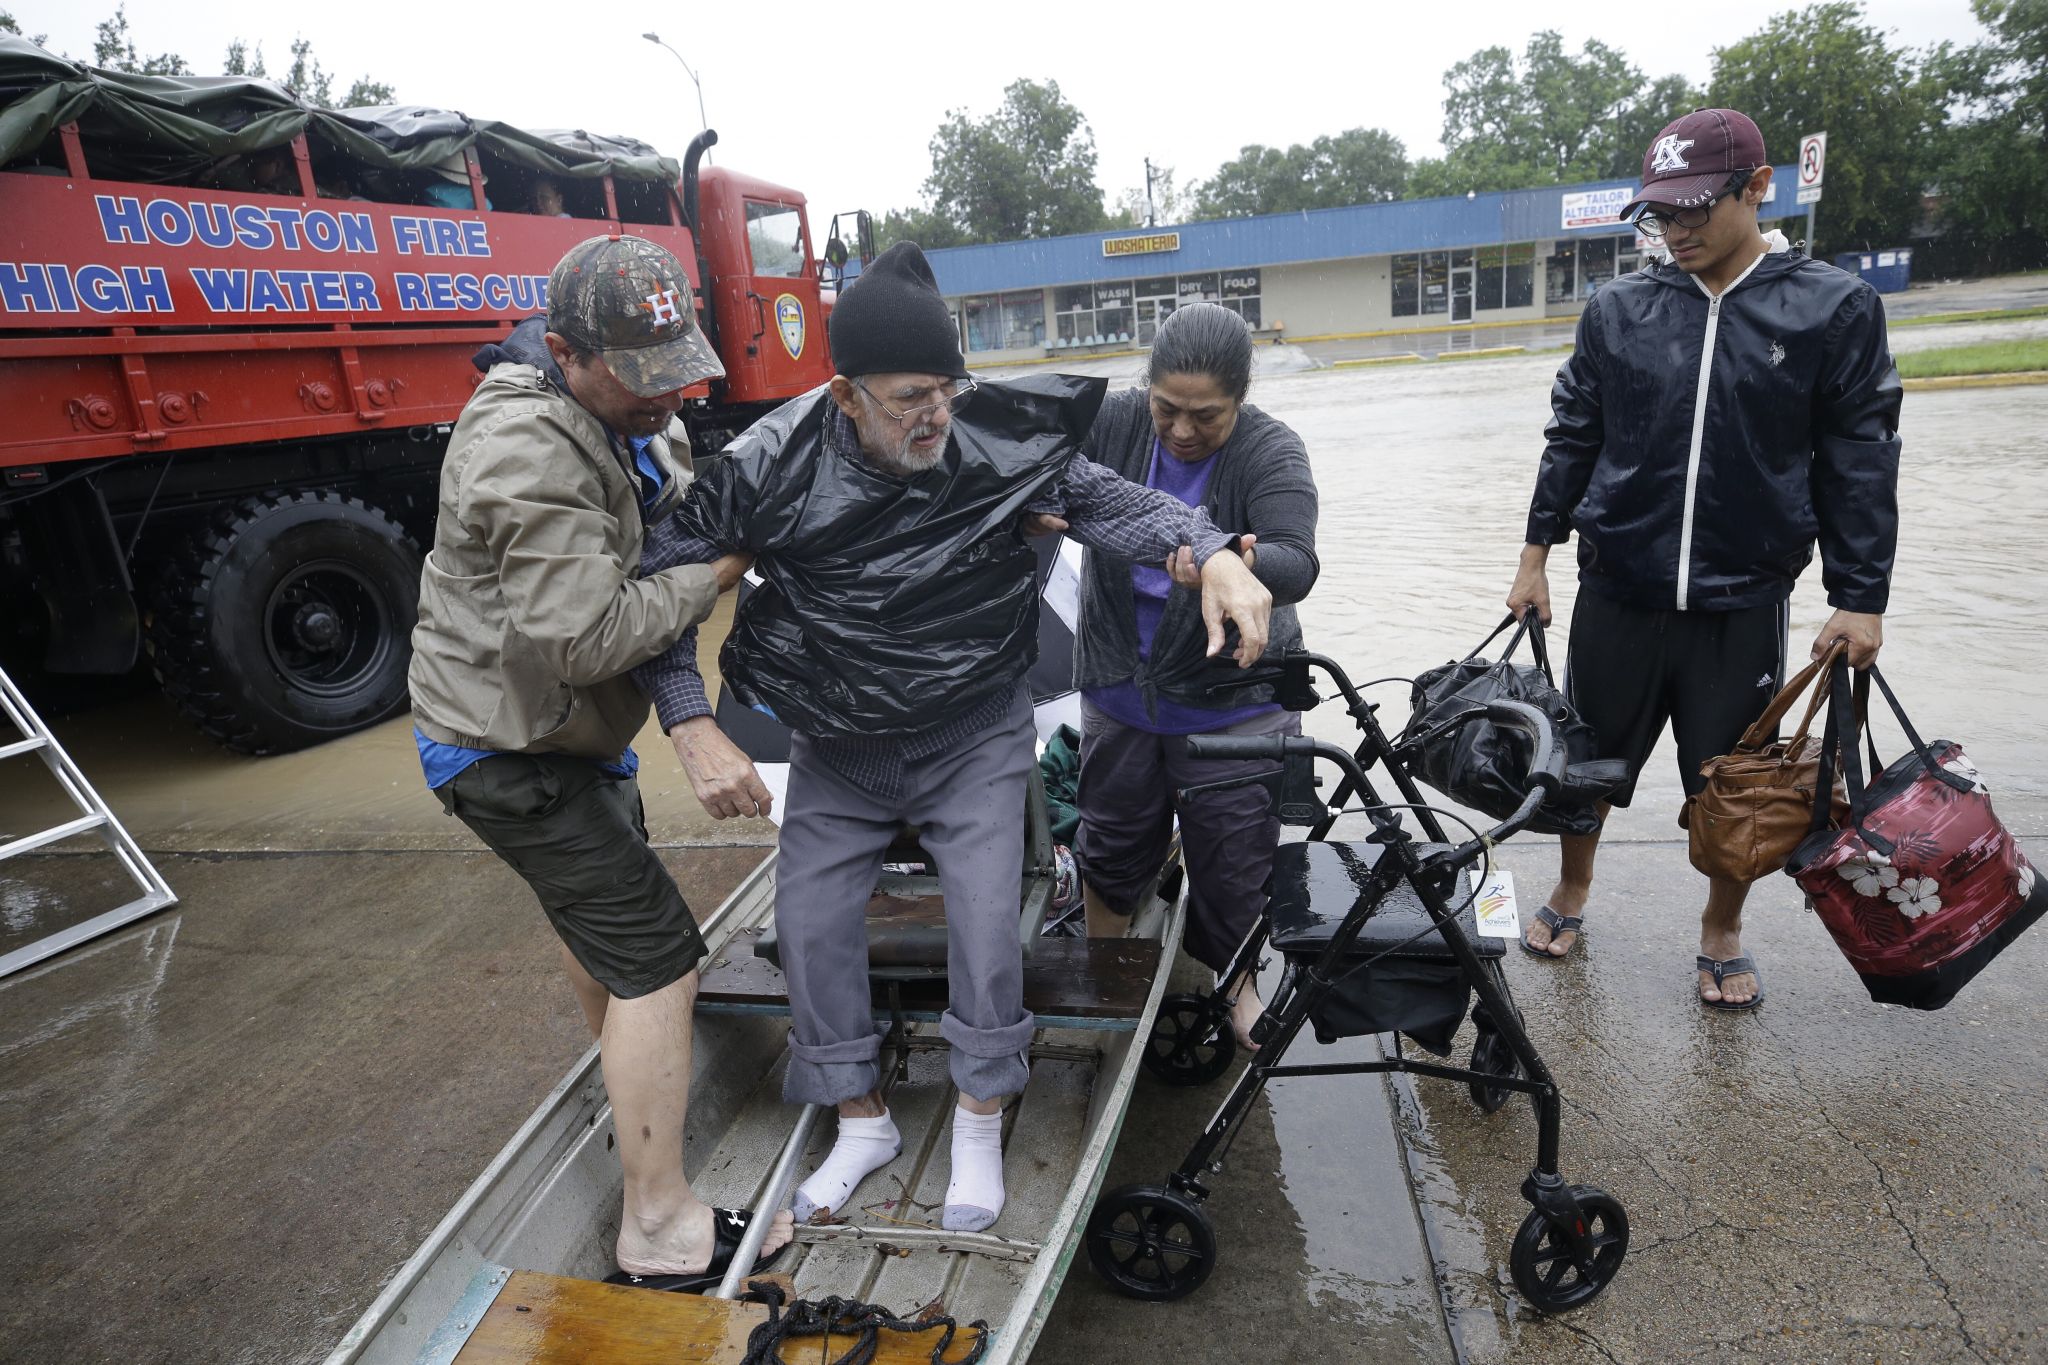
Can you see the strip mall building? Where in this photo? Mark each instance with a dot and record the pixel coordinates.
(1421, 265)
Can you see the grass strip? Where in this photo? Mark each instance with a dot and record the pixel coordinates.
(1976, 315)
(1994, 357)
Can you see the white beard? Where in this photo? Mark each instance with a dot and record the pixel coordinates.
(905, 459)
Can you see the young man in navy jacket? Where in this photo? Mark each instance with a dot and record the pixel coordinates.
(1720, 415)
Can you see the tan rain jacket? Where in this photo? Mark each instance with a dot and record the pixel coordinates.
(531, 607)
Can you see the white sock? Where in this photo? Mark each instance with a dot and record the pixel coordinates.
(863, 1146)
(974, 1196)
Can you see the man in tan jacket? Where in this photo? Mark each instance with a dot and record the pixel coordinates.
(532, 611)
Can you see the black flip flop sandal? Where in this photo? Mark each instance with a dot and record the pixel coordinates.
(1734, 966)
(1558, 924)
(728, 1227)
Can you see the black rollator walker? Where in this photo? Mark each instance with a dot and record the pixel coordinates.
(1378, 937)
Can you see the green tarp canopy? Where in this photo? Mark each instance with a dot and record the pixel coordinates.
(158, 129)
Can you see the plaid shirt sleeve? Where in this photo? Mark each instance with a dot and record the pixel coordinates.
(671, 678)
(1108, 513)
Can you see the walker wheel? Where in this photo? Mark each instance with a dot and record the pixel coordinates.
(1492, 1055)
(1151, 1243)
(1191, 1042)
(1541, 1258)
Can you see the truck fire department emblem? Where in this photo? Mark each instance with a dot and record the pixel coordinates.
(789, 324)
(1668, 154)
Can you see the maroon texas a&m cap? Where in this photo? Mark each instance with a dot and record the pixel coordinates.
(1691, 160)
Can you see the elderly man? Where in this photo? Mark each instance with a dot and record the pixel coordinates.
(893, 635)
(532, 611)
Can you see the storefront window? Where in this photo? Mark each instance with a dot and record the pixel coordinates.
(1113, 311)
(1596, 264)
(1406, 275)
(984, 316)
(1241, 294)
(1560, 273)
(1024, 319)
(1506, 275)
(1520, 291)
(1486, 294)
(1074, 314)
(1436, 282)
(1199, 288)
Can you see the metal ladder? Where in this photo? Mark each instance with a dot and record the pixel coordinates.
(156, 893)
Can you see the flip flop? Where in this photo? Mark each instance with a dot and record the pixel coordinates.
(728, 1226)
(1734, 966)
(1558, 924)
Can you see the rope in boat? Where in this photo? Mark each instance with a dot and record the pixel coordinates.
(845, 1317)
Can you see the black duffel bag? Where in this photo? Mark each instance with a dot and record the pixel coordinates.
(1451, 745)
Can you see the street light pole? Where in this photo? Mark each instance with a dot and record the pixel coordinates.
(1151, 218)
(701, 119)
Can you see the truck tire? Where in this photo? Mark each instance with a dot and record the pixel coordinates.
(287, 621)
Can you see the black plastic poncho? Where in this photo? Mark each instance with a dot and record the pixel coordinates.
(889, 605)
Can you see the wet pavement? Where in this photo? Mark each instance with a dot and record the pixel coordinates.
(241, 1116)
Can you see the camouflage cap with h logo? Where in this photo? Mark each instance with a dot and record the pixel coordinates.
(627, 300)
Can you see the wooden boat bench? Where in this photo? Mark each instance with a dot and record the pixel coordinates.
(906, 915)
(536, 1319)
(1068, 983)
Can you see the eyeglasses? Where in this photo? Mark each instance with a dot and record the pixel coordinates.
(953, 402)
(1654, 225)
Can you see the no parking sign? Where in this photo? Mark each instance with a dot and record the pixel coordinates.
(1813, 160)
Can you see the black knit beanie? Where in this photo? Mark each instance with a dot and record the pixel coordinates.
(892, 320)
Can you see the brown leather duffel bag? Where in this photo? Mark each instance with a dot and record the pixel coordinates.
(1758, 801)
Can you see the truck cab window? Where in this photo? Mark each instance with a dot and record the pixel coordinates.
(775, 236)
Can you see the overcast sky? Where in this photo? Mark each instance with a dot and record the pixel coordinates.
(840, 102)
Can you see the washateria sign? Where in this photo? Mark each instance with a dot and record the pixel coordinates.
(192, 257)
(1140, 246)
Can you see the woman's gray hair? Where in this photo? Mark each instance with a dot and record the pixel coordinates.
(1205, 339)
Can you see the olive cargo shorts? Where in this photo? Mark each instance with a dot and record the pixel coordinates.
(579, 837)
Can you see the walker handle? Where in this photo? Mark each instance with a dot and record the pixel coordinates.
(1546, 768)
(1238, 745)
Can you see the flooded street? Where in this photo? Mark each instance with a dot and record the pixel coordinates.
(268, 1097)
(1425, 475)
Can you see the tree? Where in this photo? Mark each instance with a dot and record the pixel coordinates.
(921, 226)
(1027, 170)
(1357, 166)
(1169, 203)
(1992, 179)
(1550, 117)
(8, 25)
(114, 49)
(306, 78)
(1823, 68)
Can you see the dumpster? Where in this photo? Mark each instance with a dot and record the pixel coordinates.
(1888, 271)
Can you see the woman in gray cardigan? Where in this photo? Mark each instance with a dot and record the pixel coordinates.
(1140, 652)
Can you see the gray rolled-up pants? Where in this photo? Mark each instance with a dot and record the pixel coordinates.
(970, 802)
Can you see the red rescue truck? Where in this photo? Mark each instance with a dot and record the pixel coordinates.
(227, 375)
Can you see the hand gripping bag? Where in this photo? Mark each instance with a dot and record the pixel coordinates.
(1758, 800)
(1923, 885)
(1449, 743)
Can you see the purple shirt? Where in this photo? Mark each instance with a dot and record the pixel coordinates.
(1187, 480)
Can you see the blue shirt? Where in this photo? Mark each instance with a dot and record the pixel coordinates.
(1187, 480)
(446, 194)
(442, 762)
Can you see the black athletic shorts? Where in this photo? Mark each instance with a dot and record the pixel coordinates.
(578, 836)
(1710, 673)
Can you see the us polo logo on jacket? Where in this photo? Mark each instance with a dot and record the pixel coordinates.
(1668, 154)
